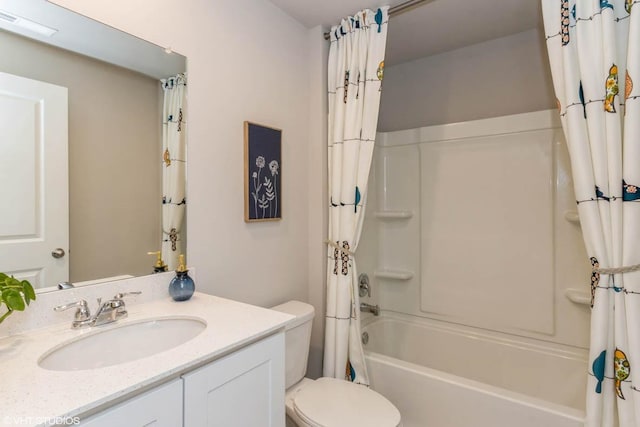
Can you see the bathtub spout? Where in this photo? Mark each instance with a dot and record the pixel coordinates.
(375, 309)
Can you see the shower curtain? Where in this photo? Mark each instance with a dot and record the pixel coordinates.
(594, 52)
(355, 71)
(174, 166)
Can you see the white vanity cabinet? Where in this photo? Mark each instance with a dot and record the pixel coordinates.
(242, 389)
(161, 407)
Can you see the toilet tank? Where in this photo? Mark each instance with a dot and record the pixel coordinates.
(297, 339)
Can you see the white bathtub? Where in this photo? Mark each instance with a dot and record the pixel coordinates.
(443, 375)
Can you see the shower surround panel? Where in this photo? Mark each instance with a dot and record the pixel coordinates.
(474, 212)
(487, 230)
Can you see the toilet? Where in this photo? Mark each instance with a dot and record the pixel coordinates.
(325, 402)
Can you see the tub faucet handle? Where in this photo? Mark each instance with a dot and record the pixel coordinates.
(363, 285)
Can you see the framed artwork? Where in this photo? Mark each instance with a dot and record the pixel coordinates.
(262, 173)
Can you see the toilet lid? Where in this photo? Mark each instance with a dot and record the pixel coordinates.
(329, 402)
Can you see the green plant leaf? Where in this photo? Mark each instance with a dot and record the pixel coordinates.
(13, 299)
(12, 282)
(15, 294)
(27, 290)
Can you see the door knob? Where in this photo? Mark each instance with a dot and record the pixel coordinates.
(58, 253)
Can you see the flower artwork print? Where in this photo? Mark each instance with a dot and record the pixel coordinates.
(263, 173)
(264, 195)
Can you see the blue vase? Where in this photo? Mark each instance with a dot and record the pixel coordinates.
(182, 286)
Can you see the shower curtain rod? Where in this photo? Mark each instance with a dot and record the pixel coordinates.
(397, 10)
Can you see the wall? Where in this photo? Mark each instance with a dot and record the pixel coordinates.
(114, 141)
(247, 60)
(318, 212)
(509, 75)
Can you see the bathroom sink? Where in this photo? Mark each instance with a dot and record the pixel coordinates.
(124, 343)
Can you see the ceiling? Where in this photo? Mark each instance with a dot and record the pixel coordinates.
(91, 38)
(435, 27)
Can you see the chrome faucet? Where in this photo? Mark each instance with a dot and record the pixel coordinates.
(108, 312)
(375, 309)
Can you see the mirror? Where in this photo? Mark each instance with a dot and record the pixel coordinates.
(115, 141)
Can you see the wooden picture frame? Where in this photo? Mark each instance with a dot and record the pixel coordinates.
(262, 173)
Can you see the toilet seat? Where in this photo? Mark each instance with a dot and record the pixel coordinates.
(329, 402)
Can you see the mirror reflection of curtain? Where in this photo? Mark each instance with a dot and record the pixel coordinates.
(173, 171)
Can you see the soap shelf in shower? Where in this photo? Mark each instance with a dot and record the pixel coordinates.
(393, 215)
(393, 274)
(578, 296)
(572, 216)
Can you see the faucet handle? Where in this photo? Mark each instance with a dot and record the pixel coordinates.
(126, 294)
(82, 313)
(363, 285)
(82, 303)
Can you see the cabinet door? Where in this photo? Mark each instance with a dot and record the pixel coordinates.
(160, 407)
(243, 389)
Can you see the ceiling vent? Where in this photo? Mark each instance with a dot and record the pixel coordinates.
(26, 24)
(6, 17)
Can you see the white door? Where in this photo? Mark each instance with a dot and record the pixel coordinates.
(34, 200)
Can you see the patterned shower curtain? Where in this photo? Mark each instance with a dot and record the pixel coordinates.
(356, 66)
(594, 52)
(174, 166)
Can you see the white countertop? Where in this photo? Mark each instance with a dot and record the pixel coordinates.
(28, 391)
